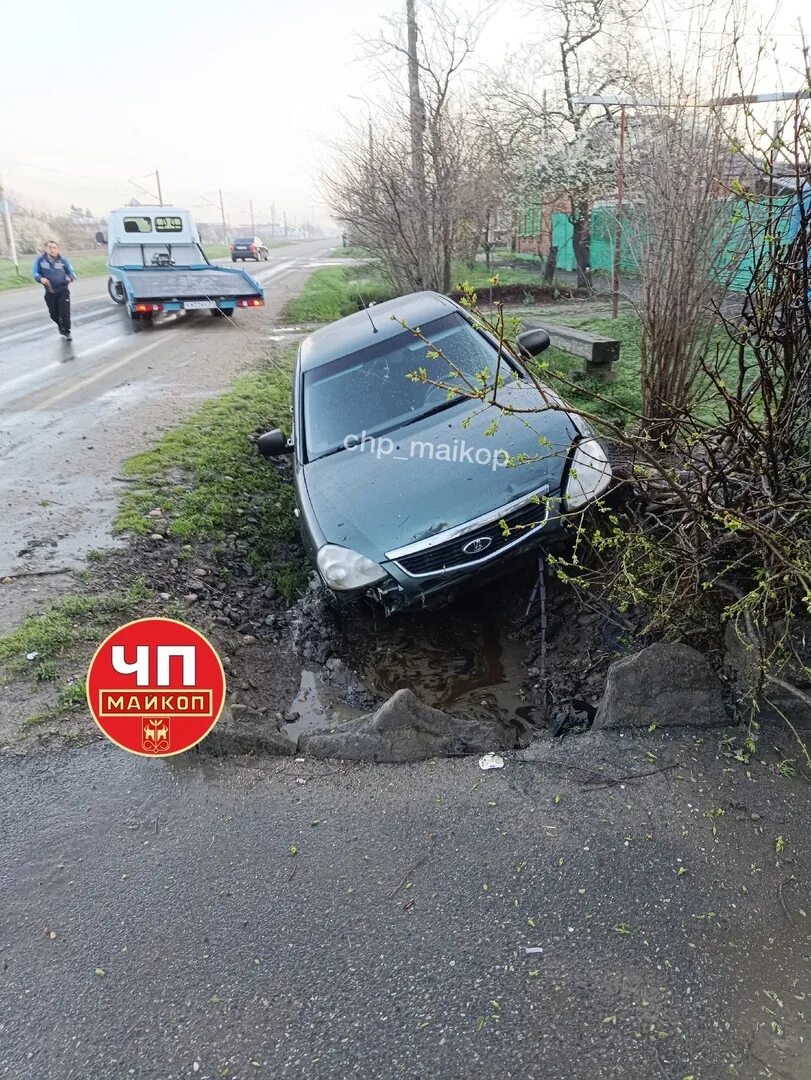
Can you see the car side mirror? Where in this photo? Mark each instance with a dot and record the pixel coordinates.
(533, 342)
(101, 238)
(274, 443)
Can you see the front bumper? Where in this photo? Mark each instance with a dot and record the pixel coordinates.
(400, 591)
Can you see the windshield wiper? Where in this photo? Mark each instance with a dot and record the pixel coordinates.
(396, 426)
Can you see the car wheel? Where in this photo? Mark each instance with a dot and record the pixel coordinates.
(116, 291)
(233, 259)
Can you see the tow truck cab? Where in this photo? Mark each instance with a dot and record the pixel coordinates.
(153, 236)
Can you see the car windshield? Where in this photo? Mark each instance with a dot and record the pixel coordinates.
(369, 392)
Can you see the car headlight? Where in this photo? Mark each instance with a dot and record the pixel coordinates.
(589, 474)
(344, 569)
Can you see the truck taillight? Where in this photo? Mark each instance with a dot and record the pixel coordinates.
(254, 302)
(148, 308)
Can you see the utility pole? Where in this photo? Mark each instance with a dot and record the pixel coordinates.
(12, 247)
(208, 202)
(284, 216)
(222, 215)
(615, 283)
(417, 126)
(273, 220)
(253, 223)
(136, 184)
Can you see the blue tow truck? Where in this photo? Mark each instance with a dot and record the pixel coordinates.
(157, 264)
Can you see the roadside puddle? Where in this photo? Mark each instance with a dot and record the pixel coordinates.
(467, 660)
(457, 659)
(318, 706)
(457, 665)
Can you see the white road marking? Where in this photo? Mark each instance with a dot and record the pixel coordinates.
(9, 384)
(75, 387)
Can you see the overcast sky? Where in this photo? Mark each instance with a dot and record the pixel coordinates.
(236, 95)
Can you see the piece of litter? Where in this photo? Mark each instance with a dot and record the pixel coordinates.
(532, 949)
(31, 655)
(491, 761)
(300, 780)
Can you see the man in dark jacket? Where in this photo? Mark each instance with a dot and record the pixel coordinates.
(54, 273)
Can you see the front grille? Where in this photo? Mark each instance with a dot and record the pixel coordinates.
(449, 554)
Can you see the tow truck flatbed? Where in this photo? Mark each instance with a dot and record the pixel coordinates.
(191, 284)
(157, 265)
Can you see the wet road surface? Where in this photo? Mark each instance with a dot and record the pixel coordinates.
(252, 918)
(70, 412)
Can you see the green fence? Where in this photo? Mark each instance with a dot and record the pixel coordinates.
(750, 226)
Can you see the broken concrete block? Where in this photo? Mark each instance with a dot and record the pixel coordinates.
(241, 730)
(404, 729)
(670, 685)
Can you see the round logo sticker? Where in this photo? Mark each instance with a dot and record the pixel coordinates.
(156, 687)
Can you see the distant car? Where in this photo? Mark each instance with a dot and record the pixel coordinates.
(405, 493)
(249, 247)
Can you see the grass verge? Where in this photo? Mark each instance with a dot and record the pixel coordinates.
(69, 621)
(208, 480)
(608, 400)
(334, 292)
(611, 400)
(91, 265)
(349, 252)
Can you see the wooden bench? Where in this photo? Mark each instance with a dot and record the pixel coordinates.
(599, 353)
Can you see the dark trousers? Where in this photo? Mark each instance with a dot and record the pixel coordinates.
(58, 303)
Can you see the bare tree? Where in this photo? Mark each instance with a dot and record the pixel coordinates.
(417, 194)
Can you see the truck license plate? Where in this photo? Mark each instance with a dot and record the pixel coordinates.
(199, 304)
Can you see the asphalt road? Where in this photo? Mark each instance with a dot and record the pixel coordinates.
(70, 412)
(273, 918)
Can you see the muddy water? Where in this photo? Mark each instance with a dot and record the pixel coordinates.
(465, 659)
(317, 705)
(455, 661)
(468, 659)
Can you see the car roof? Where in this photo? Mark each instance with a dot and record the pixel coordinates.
(354, 332)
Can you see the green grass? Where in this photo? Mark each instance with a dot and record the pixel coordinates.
(67, 622)
(349, 252)
(610, 400)
(607, 400)
(337, 291)
(208, 478)
(85, 266)
(480, 277)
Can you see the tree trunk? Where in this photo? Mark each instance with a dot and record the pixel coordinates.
(581, 242)
(417, 124)
(447, 263)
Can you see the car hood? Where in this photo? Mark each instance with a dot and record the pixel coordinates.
(438, 472)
